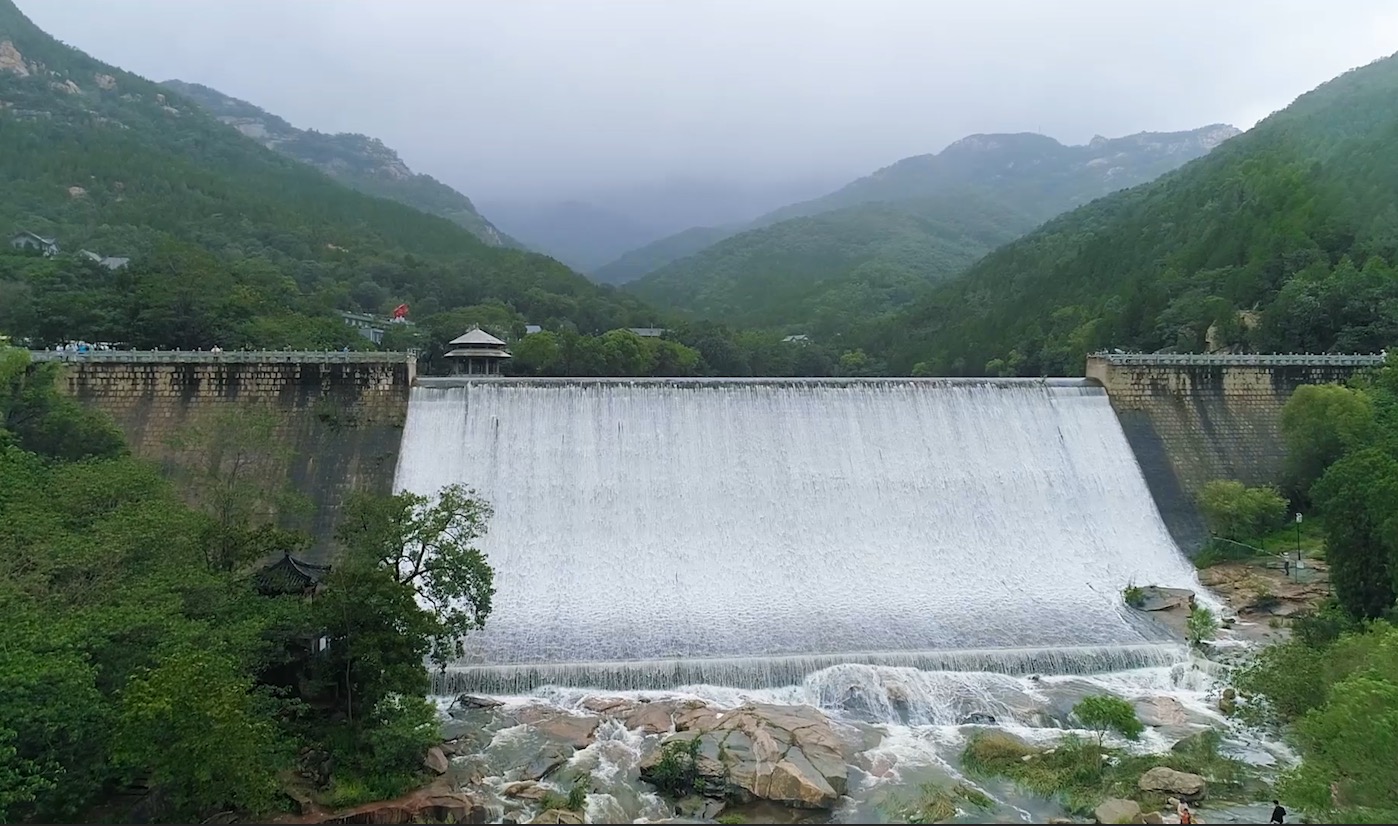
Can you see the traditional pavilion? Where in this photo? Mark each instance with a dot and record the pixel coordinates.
(477, 353)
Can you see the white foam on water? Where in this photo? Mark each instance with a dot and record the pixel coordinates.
(654, 534)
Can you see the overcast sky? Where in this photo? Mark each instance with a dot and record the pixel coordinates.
(548, 98)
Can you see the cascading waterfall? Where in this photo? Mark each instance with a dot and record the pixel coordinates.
(657, 533)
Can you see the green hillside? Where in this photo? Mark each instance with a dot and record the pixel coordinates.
(1035, 174)
(655, 255)
(875, 244)
(357, 161)
(1280, 240)
(231, 243)
(824, 273)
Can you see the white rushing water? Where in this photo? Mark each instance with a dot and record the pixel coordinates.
(654, 534)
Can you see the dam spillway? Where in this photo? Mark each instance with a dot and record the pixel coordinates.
(657, 533)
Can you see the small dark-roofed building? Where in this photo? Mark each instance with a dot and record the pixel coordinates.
(30, 241)
(290, 575)
(647, 332)
(477, 353)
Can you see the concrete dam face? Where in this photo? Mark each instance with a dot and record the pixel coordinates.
(652, 534)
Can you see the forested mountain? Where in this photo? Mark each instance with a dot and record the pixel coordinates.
(1035, 174)
(231, 243)
(872, 246)
(1282, 239)
(580, 234)
(655, 255)
(823, 274)
(357, 161)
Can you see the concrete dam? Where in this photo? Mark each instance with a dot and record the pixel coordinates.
(658, 533)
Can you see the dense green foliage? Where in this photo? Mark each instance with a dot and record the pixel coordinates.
(824, 273)
(1045, 178)
(142, 655)
(1296, 221)
(231, 243)
(1333, 686)
(1238, 512)
(653, 256)
(1344, 440)
(1105, 714)
(358, 161)
(1337, 696)
(939, 804)
(851, 257)
(1075, 772)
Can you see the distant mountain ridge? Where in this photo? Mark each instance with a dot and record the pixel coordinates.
(1039, 175)
(358, 161)
(830, 264)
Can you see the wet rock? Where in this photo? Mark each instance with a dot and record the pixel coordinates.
(1155, 598)
(578, 730)
(786, 754)
(652, 718)
(436, 761)
(1228, 701)
(525, 790)
(609, 706)
(1183, 785)
(979, 719)
(467, 702)
(1193, 742)
(1116, 810)
(1161, 711)
(558, 816)
(1152, 817)
(546, 761)
(437, 803)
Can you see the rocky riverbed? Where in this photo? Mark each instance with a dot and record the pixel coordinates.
(853, 743)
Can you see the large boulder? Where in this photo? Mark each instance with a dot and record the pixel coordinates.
(1155, 598)
(436, 760)
(786, 754)
(1185, 786)
(1116, 810)
(577, 730)
(1161, 711)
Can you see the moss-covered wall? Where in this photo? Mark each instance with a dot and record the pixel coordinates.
(339, 419)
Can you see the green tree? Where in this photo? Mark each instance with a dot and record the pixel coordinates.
(427, 546)
(1202, 625)
(1235, 511)
(1103, 713)
(193, 730)
(1319, 423)
(1358, 497)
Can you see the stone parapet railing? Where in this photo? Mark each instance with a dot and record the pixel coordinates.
(1242, 359)
(226, 357)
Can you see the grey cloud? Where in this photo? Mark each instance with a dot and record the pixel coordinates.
(536, 98)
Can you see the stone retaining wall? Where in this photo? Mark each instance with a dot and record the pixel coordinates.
(1193, 419)
(340, 419)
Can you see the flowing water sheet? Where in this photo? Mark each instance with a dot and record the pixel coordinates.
(654, 533)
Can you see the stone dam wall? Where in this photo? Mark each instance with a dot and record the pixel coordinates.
(336, 419)
(1191, 419)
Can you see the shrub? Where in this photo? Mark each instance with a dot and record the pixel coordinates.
(1103, 713)
(677, 770)
(936, 804)
(1202, 625)
(1134, 596)
(1238, 512)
